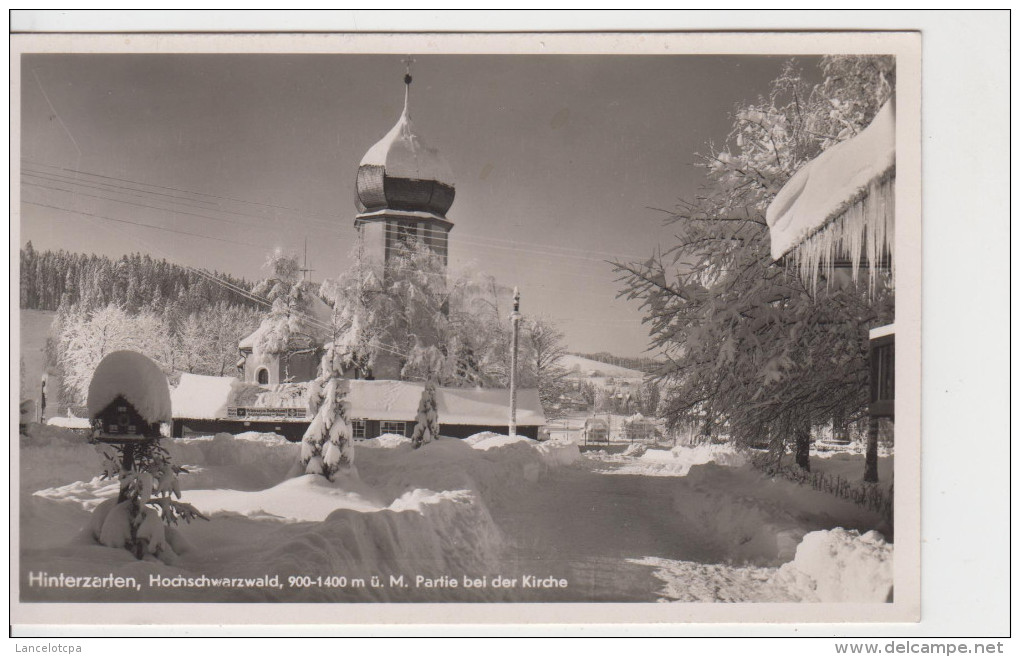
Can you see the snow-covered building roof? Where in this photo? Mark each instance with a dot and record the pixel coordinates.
(208, 397)
(134, 377)
(315, 322)
(202, 397)
(398, 400)
(882, 331)
(841, 205)
(485, 406)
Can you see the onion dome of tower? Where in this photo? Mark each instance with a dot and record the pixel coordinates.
(402, 173)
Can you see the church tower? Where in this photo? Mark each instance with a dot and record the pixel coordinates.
(404, 191)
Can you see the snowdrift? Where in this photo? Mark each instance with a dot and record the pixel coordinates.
(408, 512)
(312, 498)
(840, 566)
(639, 459)
(54, 456)
(830, 566)
(384, 441)
(247, 461)
(749, 518)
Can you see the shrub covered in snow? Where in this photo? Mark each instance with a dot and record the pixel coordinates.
(426, 428)
(148, 484)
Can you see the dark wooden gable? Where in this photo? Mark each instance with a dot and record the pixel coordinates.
(120, 418)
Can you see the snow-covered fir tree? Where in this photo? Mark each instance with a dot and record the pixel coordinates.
(426, 427)
(326, 447)
(142, 519)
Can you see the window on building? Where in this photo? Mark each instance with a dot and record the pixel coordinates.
(393, 427)
(262, 376)
(358, 428)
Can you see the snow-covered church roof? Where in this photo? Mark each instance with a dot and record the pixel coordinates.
(836, 182)
(137, 379)
(404, 154)
(402, 174)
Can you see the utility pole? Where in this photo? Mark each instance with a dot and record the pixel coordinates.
(305, 270)
(515, 320)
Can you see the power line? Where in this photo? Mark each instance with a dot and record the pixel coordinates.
(139, 205)
(136, 223)
(526, 252)
(392, 231)
(332, 219)
(111, 188)
(175, 189)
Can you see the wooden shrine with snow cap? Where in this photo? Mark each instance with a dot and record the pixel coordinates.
(128, 399)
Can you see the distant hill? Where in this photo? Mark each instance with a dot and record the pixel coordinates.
(583, 366)
(136, 281)
(644, 365)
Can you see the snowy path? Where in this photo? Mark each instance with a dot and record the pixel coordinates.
(585, 526)
(628, 537)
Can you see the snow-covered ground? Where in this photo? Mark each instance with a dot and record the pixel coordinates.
(649, 524)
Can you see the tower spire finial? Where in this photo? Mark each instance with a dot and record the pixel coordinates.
(408, 60)
(407, 69)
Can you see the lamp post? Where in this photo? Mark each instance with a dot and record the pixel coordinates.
(515, 320)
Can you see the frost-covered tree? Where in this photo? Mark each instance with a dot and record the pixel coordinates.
(426, 427)
(359, 317)
(205, 341)
(588, 392)
(289, 329)
(326, 447)
(754, 351)
(648, 395)
(86, 337)
(435, 325)
(544, 350)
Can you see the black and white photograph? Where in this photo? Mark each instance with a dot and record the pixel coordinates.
(339, 322)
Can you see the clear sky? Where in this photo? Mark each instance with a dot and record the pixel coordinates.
(560, 162)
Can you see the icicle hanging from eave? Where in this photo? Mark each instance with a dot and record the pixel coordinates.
(861, 232)
(839, 208)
